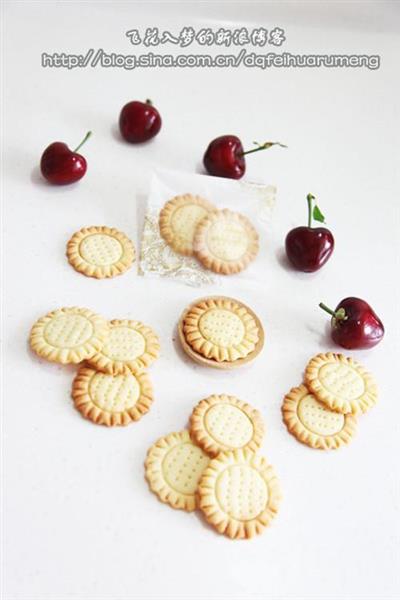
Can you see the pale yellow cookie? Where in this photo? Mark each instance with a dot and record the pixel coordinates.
(173, 468)
(221, 329)
(130, 345)
(111, 399)
(222, 423)
(225, 242)
(68, 335)
(313, 423)
(341, 383)
(179, 218)
(239, 493)
(100, 252)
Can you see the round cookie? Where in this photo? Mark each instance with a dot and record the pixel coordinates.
(100, 252)
(341, 383)
(313, 423)
(239, 493)
(179, 219)
(225, 242)
(68, 335)
(173, 467)
(222, 423)
(130, 345)
(221, 329)
(111, 399)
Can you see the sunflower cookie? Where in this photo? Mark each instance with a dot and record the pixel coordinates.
(173, 468)
(313, 423)
(239, 493)
(221, 329)
(68, 335)
(111, 399)
(179, 219)
(225, 242)
(341, 383)
(130, 345)
(100, 252)
(221, 423)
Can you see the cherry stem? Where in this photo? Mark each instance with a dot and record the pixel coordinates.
(264, 146)
(339, 314)
(149, 102)
(310, 199)
(85, 139)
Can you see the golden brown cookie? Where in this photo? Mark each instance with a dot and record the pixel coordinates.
(173, 467)
(313, 423)
(111, 399)
(341, 383)
(222, 423)
(68, 335)
(221, 329)
(130, 345)
(225, 242)
(179, 218)
(239, 493)
(100, 252)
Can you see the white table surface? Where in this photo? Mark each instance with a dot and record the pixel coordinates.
(80, 522)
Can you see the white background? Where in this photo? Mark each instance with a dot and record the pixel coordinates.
(80, 522)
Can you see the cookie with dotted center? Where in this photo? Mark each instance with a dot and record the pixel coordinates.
(68, 335)
(239, 493)
(313, 423)
(111, 399)
(179, 219)
(225, 242)
(221, 329)
(222, 423)
(130, 346)
(341, 383)
(173, 467)
(100, 252)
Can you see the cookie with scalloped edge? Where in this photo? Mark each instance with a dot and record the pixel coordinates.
(225, 242)
(173, 467)
(239, 493)
(221, 423)
(111, 399)
(341, 383)
(68, 335)
(100, 252)
(129, 346)
(313, 423)
(179, 218)
(221, 329)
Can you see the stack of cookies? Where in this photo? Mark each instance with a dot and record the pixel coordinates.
(214, 466)
(322, 412)
(220, 332)
(112, 386)
(221, 240)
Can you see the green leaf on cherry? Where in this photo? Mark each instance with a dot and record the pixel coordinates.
(317, 215)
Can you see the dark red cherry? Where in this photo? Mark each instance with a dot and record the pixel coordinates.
(139, 121)
(224, 156)
(309, 248)
(355, 325)
(60, 165)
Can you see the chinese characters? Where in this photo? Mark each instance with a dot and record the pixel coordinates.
(206, 36)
